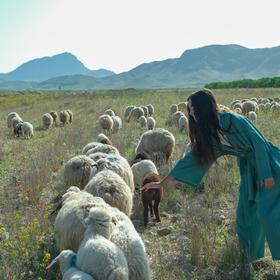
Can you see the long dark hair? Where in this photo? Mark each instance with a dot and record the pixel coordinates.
(204, 129)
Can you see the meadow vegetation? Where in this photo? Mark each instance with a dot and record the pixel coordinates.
(196, 238)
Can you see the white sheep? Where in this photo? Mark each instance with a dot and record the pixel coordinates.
(173, 109)
(27, 130)
(238, 111)
(183, 124)
(89, 146)
(109, 112)
(143, 121)
(103, 148)
(47, 120)
(136, 113)
(157, 143)
(67, 263)
(10, 117)
(141, 169)
(71, 115)
(117, 124)
(98, 155)
(151, 123)
(54, 115)
(113, 189)
(64, 117)
(77, 171)
(146, 111)
(106, 123)
(150, 109)
(175, 118)
(252, 116)
(248, 106)
(97, 255)
(70, 213)
(102, 138)
(183, 107)
(119, 165)
(127, 111)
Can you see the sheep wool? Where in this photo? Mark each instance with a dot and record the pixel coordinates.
(47, 121)
(10, 117)
(77, 171)
(113, 189)
(109, 112)
(97, 255)
(106, 123)
(89, 146)
(143, 121)
(151, 109)
(71, 115)
(27, 130)
(151, 123)
(136, 113)
(183, 124)
(104, 148)
(117, 124)
(54, 115)
(175, 118)
(64, 117)
(97, 156)
(173, 109)
(127, 111)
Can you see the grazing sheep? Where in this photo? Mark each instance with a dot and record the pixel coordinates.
(15, 120)
(237, 105)
(252, 116)
(136, 113)
(183, 107)
(156, 142)
(47, 121)
(27, 130)
(119, 165)
(234, 102)
(68, 217)
(175, 118)
(109, 112)
(18, 129)
(146, 111)
(238, 111)
(183, 124)
(141, 169)
(97, 255)
(127, 111)
(173, 109)
(150, 196)
(71, 115)
(275, 108)
(151, 123)
(98, 155)
(102, 138)
(54, 115)
(113, 189)
(248, 106)
(77, 171)
(10, 117)
(117, 124)
(67, 263)
(103, 148)
(64, 117)
(151, 109)
(143, 121)
(106, 123)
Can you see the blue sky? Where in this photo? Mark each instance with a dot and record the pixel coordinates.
(121, 34)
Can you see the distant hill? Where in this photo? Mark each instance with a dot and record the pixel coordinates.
(42, 69)
(194, 68)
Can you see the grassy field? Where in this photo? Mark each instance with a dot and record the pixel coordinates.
(201, 243)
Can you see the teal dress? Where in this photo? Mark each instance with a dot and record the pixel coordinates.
(258, 210)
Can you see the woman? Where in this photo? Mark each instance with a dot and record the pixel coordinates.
(213, 134)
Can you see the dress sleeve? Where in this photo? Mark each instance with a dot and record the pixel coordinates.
(188, 170)
(249, 135)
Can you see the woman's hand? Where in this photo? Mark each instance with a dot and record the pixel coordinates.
(268, 183)
(152, 185)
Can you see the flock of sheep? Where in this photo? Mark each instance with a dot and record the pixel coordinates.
(18, 127)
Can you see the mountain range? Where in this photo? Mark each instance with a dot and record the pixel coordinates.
(194, 68)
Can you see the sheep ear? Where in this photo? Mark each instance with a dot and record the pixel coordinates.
(54, 261)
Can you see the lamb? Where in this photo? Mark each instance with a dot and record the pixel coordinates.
(67, 262)
(127, 111)
(119, 165)
(150, 196)
(68, 217)
(97, 255)
(106, 123)
(175, 118)
(151, 123)
(141, 169)
(47, 121)
(71, 115)
(27, 130)
(117, 124)
(64, 117)
(143, 121)
(104, 148)
(109, 112)
(54, 115)
(151, 109)
(136, 113)
(173, 109)
(158, 144)
(183, 124)
(252, 116)
(113, 189)
(77, 171)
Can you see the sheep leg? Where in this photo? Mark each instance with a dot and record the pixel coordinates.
(151, 209)
(156, 210)
(146, 214)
